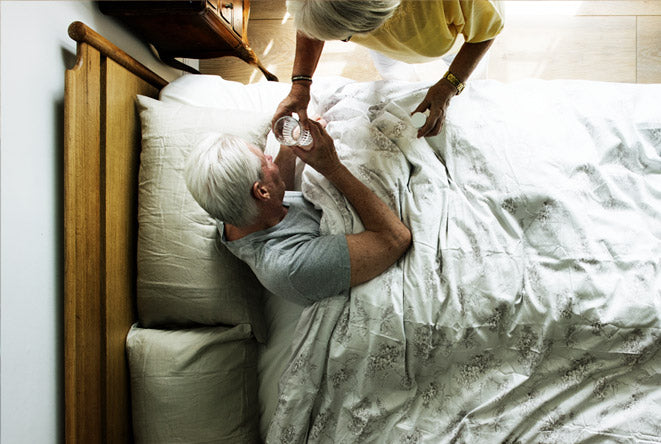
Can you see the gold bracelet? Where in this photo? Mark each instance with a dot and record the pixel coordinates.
(454, 81)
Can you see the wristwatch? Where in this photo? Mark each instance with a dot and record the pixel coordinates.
(454, 81)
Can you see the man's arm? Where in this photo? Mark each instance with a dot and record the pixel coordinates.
(286, 162)
(385, 238)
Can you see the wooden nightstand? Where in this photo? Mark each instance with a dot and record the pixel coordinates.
(197, 29)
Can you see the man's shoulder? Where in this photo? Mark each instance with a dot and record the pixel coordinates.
(294, 196)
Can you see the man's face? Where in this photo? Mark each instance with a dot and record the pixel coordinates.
(270, 174)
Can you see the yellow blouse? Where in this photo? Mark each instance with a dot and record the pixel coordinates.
(421, 30)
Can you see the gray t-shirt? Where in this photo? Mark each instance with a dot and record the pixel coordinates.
(292, 259)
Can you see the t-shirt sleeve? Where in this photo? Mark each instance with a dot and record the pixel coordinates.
(483, 20)
(320, 268)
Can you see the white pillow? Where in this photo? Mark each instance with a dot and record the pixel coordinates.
(193, 386)
(213, 91)
(185, 276)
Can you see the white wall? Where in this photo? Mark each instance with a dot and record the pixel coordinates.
(35, 50)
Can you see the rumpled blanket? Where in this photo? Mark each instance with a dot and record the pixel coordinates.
(528, 307)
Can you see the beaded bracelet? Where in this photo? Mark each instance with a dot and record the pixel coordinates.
(301, 77)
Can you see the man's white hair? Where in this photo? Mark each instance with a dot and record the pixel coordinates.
(339, 19)
(220, 172)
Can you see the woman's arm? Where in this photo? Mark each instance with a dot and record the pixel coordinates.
(308, 52)
(439, 95)
(468, 58)
(385, 238)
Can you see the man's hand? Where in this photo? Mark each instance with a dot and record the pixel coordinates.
(436, 101)
(385, 238)
(322, 155)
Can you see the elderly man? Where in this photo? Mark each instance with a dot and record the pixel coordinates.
(276, 231)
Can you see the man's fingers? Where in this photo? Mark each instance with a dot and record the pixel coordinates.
(315, 128)
(296, 150)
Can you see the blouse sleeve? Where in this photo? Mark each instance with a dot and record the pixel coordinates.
(483, 20)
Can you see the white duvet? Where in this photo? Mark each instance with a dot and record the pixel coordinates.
(528, 308)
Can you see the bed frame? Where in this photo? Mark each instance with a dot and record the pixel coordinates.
(101, 158)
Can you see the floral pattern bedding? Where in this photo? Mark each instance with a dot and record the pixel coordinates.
(528, 308)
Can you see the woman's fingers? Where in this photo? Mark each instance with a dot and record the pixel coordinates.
(433, 124)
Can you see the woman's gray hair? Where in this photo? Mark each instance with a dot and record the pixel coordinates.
(339, 19)
(220, 172)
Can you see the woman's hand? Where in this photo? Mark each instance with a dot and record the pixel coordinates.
(436, 101)
(438, 97)
(296, 102)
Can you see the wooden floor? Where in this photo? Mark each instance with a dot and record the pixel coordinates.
(615, 41)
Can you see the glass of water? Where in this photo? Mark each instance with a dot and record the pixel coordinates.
(288, 131)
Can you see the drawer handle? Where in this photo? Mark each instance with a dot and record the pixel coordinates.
(228, 5)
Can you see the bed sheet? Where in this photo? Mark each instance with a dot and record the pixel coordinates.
(528, 307)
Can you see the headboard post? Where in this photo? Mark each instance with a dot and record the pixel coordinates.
(101, 161)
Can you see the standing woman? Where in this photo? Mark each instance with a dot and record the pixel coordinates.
(411, 31)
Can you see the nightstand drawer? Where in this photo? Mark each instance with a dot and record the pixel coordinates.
(198, 29)
(231, 11)
(180, 28)
(225, 9)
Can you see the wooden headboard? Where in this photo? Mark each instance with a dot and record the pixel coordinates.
(101, 159)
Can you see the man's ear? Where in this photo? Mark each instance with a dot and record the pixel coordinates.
(260, 192)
